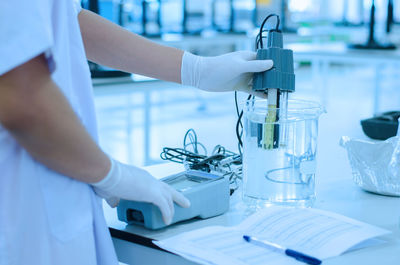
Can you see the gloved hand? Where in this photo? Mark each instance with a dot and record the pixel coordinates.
(231, 71)
(135, 184)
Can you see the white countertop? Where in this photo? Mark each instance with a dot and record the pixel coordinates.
(340, 196)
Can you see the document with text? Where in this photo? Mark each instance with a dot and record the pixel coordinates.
(315, 232)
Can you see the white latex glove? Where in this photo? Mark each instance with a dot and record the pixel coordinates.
(135, 184)
(231, 71)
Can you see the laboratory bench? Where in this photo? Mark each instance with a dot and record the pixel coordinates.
(335, 188)
(133, 244)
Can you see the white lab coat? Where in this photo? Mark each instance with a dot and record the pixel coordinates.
(45, 217)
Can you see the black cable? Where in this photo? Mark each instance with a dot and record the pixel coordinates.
(222, 160)
(259, 39)
(238, 134)
(278, 21)
(200, 161)
(239, 125)
(236, 104)
(180, 155)
(191, 134)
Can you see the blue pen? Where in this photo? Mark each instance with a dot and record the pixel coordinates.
(289, 252)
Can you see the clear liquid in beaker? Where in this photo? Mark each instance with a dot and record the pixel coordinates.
(284, 174)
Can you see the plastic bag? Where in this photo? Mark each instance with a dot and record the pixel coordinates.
(375, 165)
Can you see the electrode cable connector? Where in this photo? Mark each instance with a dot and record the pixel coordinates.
(281, 75)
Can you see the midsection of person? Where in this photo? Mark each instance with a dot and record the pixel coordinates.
(49, 152)
(49, 212)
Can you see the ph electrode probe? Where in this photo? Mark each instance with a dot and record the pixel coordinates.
(276, 82)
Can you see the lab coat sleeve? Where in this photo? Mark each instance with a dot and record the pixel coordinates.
(77, 6)
(25, 32)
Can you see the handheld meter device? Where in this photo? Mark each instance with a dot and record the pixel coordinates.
(208, 195)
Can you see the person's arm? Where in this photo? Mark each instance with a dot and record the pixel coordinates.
(37, 114)
(39, 117)
(109, 44)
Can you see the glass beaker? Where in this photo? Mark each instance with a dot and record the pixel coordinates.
(279, 157)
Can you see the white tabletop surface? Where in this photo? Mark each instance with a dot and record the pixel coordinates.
(339, 195)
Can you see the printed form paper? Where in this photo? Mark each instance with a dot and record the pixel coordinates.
(315, 232)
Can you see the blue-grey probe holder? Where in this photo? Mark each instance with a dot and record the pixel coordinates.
(281, 75)
(209, 199)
